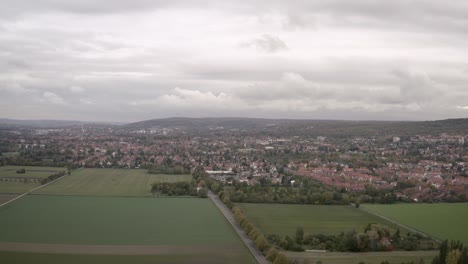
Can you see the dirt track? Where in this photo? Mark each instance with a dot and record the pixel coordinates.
(107, 249)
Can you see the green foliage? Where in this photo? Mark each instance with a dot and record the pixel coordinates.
(53, 177)
(453, 253)
(272, 254)
(281, 259)
(174, 189)
(375, 237)
(299, 234)
(202, 193)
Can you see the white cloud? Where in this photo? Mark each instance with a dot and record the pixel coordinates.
(76, 89)
(86, 101)
(53, 98)
(319, 59)
(266, 43)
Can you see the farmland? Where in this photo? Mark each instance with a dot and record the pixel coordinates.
(15, 183)
(441, 220)
(31, 171)
(109, 182)
(283, 219)
(45, 258)
(172, 228)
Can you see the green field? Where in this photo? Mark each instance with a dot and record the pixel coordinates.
(112, 221)
(109, 182)
(395, 257)
(175, 224)
(283, 219)
(16, 186)
(31, 171)
(441, 220)
(40, 258)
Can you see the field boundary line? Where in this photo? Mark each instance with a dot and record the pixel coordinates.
(399, 224)
(37, 188)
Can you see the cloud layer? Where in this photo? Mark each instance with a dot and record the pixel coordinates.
(337, 59)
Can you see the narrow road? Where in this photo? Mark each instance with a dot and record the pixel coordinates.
(227, 213)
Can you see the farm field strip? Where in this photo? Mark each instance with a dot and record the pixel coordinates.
(12, 182)
(283, 219)
(16, 187)
(107, 249)
(110, 182)
(31, 171)
(223, 256)
(113, 221)
(106, 225)
(441, 220)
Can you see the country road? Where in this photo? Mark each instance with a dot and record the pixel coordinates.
(227, 213)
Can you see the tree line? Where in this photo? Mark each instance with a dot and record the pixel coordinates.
(375, 237)
(262, 244)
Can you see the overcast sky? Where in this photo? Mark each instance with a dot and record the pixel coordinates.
(125, 60)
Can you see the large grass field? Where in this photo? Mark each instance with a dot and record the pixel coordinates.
(17, 187)
(441, 220)
(113, 221)
(283, 219)
(41, 258)
(14, 186)
(109, 182)
(193, 226)
(395, 257)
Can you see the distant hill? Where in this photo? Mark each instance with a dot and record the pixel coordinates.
(310, 127)
(210, 122)
(6, 122)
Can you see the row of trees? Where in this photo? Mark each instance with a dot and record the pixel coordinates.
(375, 237)
(178, 189)
(254, 234)
(303, 190)
(54, 177)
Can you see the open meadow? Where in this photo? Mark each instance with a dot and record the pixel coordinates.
(441, 220)
(176, 230)
(283, 219)
(109, 182)
(12, 182)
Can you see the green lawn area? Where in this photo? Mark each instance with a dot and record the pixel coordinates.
(17, 187)
(109, 182)
(31, 171)
(192, 226)
(113, 221)
(395, 257)
(283, 219)
(442, 220)
(39, 258)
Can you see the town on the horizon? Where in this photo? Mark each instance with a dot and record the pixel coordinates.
(424, 167)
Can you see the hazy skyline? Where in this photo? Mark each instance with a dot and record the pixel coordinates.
(133, 60)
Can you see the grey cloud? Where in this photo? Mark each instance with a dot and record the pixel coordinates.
(345, 59)
(266, 43)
